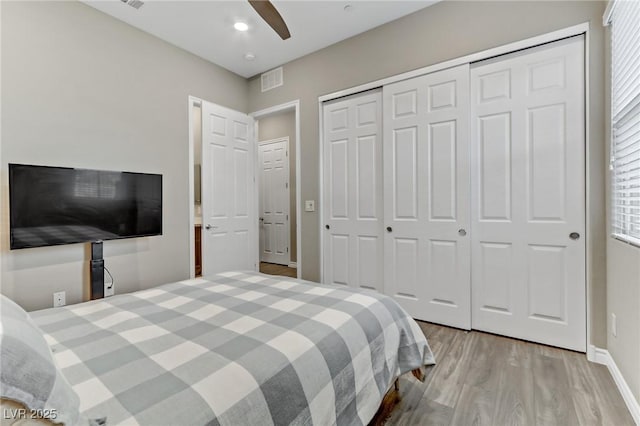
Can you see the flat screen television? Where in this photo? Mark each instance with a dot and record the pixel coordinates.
(60, 205)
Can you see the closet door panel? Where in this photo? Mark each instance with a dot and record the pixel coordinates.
(529, 195)
(338, 176)
(352, 194)
(493, 141)
(368, 250)
(493, 270)
(339, 262)
(406, 268)
(404, 175)
(426, 191)
(366, 175)
(442, 171)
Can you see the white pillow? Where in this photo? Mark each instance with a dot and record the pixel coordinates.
(28, 374)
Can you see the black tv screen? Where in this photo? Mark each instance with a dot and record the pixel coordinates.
(60, 205)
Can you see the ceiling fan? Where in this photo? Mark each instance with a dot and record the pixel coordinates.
(269, 13)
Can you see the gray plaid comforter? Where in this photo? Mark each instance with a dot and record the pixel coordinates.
(235, 349)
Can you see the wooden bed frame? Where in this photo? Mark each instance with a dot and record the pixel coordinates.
(391, 399)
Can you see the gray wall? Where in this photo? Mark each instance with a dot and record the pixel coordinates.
(623, 300)
(278, 126)
(80, 88)
(623, 284)
(444, 31)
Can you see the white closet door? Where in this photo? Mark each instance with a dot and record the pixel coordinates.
(528, 160)
(352, 195)
(426, 196)
(273, 158)
(229, 236)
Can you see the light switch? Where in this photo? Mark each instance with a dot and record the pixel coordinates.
(309, 206)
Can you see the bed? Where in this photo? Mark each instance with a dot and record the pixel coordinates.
(235, 348)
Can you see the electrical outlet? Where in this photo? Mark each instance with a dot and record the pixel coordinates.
(309, 206)
(59, 299)
(614, 325)
(109, 289)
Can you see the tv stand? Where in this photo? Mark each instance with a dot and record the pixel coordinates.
(96, 271)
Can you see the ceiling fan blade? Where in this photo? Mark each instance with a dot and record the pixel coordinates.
(270, 14)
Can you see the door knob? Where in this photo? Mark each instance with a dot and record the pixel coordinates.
(327, 226)
(262, 219)
(462, 232)
(207, 226)
(389, 229)
(574, 235)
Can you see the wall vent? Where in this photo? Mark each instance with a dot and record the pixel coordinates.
(272, 79)
(136, 4)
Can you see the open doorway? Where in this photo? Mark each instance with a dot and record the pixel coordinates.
(277, 163)
(268, 124)
(223, 224)
(196, 141)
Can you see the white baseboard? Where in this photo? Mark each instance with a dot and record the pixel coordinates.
(599, 355)
(602, 356)
(293, 265)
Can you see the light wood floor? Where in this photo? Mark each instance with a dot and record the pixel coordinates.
(483, 379)
(275, 269)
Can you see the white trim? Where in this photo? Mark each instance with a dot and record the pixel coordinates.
(597, 355)
(627, 239)
(270, 141)
(256, 193)
(284, 139)
(474, 57)
(295, 105)
(588, 246)
(298, 193)
(319, 206)
(253, 136)
(608, 12)
(602, 356)
(293, 265)
(193, 101)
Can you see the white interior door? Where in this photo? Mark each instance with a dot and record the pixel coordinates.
(273, 158)
(352, 195)
(528, 160)
(426, 196)
(229, 235)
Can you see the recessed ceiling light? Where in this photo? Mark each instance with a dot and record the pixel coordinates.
(241, 26)
(249, 56)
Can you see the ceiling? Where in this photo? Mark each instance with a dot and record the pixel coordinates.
(205, 28)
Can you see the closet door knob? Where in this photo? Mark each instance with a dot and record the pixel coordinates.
(327, 227)
(389, 229)
(462, 232)
(574, 235)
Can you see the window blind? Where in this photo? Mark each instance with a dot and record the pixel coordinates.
(624, 20)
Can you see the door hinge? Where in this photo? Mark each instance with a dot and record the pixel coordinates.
(286, 185)
(287, 217)
(287, 249)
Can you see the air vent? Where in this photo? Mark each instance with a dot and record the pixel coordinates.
(272, 79)
(136, 4)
